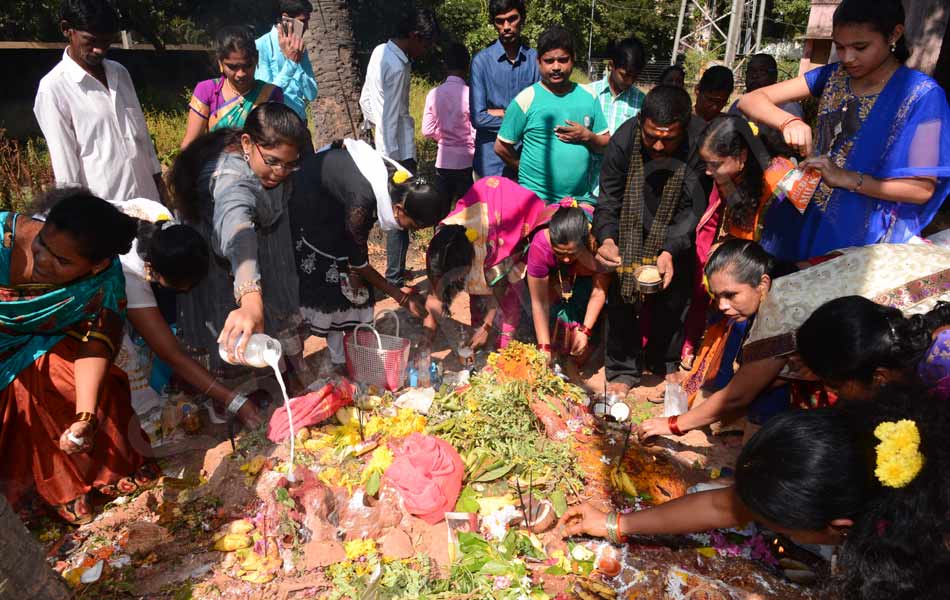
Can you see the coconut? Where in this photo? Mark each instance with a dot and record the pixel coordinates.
(541, 516)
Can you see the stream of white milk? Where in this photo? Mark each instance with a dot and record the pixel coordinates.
(273, 360)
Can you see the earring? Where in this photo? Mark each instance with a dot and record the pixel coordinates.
(894, 47)
(247, 157)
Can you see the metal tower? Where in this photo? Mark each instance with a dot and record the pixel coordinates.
(742, 36)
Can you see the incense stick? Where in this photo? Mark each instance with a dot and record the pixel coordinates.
(521, 500)
(530, 498)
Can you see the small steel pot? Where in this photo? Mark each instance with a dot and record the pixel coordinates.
(646, 287)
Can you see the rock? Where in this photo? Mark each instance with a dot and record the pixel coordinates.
(431, 539)
(396, 544)
(318, 554)
(360, 521)
(214, 457)
(145, 537)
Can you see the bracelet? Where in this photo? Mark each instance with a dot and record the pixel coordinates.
(544, 348)
(584, 329)
(789, 122)
(239, 401)
(210, 385)
(674, 427)
(245, 288)
(487, 326)
(613, 529)
(88, 417)
(859, 184)
(404, 300)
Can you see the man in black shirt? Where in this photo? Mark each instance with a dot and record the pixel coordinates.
(653, 191)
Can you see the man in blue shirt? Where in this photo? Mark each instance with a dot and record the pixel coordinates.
(498, 73)
(282, 56)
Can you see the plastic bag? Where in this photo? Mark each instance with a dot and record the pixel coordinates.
(675, 401)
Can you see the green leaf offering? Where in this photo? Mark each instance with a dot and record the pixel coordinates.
(467, 502)
(372, 483)
(559, 502)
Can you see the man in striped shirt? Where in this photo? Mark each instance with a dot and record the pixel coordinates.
(617, 93)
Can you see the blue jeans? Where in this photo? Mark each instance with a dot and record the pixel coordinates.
(397, 247)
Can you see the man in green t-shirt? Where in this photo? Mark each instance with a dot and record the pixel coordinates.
(559, 124)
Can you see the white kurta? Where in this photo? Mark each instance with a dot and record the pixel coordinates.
(97, 135)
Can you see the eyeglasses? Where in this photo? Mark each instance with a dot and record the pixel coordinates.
(274, 163)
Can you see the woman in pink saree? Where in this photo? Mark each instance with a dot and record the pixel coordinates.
(481, 248)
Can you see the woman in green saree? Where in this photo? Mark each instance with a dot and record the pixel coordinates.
(67, 421)
(227, 100)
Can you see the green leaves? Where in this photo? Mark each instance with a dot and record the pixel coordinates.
(467, 502)
(372, 483)
(284, 498)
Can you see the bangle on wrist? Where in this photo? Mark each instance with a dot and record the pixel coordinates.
(246, 288)
(674, 426)
(613, 529)
(210, 385)
(789, 122)
(487, 325)
(88, 417)
(544, 348)
(860, 182)
(404, 299)
(237, 403)
(584, 329)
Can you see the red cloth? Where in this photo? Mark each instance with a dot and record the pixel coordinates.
(309, 410)
(428, 473)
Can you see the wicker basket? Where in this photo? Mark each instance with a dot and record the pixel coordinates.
(377, 359)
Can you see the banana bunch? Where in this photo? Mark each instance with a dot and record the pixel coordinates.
(591, 589)
(622, 482)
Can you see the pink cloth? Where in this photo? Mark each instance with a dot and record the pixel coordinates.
(705, 237)
(309, 410)
(428, 474)
(513, 213)
(446, 120)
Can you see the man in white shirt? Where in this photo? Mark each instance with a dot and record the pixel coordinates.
(90, 114)
(385, 105)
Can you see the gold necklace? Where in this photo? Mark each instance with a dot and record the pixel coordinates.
(233, 90)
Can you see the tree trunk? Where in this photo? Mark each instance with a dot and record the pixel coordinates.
(23, 569)
(336, 111)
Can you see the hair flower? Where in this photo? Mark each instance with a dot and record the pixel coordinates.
(754, 127)
(898, 455)
(471, 234)
(400, 177)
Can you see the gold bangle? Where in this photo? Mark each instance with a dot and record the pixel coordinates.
(88, 417)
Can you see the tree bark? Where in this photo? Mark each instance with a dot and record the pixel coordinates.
(336, 111)
(23, 569)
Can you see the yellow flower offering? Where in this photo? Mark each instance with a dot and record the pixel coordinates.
(400, 177)
(380, 460)
(898, 455)
(471, 234)
(356, 549)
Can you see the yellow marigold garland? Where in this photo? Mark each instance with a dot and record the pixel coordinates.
(898, 455)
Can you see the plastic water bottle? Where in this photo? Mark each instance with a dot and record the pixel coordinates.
(262, 350)
(423, 368)
(435, 375)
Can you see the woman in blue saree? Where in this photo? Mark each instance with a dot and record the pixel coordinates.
(881, 146)
(67, 422)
